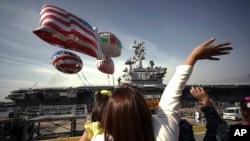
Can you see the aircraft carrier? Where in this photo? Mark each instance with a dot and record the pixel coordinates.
(149, 80)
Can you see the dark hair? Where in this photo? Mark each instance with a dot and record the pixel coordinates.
(99, 104)
(186, 132)
(127, 117)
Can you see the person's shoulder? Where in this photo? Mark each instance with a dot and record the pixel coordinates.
(91, 124)
(92, 129)
(98, 137)
(184, 124)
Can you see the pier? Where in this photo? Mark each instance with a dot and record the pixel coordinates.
(44, 122)
(47, 127)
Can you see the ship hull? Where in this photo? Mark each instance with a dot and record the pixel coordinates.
(55, 96)
(83, 95)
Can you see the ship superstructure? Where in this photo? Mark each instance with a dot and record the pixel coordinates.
(138, 76)
(149, 80)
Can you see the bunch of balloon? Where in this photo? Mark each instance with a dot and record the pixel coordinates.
(65, 30)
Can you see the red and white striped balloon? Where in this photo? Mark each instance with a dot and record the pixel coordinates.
(63, 29)
(106, 65)
(67, 62)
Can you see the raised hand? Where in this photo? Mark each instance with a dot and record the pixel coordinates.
(207, 50)
(201, 94)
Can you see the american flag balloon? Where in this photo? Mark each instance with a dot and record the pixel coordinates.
(110, 44)
(61, 28)
(66, 62)
(106, 65)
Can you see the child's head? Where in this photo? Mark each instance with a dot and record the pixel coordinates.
(101, 98)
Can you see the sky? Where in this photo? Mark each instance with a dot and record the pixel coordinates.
(170, 30)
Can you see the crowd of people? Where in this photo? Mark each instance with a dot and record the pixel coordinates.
(124, 115)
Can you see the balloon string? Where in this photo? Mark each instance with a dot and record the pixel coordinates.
(91, 89)
(80, 78)
(85, 78)
(113, 81)
(78, 58)
(108, 79)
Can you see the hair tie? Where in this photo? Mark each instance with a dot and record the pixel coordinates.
(104, 92)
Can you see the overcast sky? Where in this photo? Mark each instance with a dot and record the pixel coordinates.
(170, 30)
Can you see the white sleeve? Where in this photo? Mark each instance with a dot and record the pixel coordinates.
(166, 121)
(170, 99)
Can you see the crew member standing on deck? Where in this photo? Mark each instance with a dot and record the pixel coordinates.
(196, 115)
